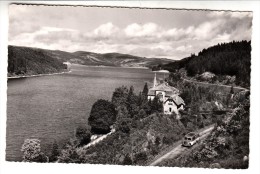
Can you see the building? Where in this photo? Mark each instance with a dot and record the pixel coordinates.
(68, 65)
(169, 95)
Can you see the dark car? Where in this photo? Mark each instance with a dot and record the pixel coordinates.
(190, 139)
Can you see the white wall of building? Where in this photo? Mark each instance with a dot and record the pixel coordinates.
(169, 107)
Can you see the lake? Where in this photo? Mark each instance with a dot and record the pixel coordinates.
(50, 108)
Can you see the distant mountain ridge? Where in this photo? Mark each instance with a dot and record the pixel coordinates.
(107, 59)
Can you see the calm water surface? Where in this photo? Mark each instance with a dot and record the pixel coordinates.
(49, 108)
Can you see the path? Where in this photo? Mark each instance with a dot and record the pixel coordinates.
(178, 149)
(94, 142)
(212, 84)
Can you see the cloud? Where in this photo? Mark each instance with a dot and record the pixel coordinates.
(239, 15)
(223, 37)
(135, 30)
(184, 48)
(176, 34)
(106, 30)
(148, 39)
(208, 30)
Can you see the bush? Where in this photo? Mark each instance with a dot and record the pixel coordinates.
(102, 116)
(54, 152)
(127, 160)
(140, 157)
(83, 135)
(31, 149)
(69, 154)
(141, 114)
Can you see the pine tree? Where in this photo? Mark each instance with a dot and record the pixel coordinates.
(145, 90)
(119, 97)
(132, 102)
(123, 121)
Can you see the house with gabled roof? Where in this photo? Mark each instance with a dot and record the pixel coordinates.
(169, 95)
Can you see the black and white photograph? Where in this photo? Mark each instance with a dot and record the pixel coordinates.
(128, 86)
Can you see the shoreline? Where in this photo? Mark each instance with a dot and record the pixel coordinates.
(36, 75)
(104, 66)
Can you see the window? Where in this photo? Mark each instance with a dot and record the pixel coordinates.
(160, 96)
(170, 109)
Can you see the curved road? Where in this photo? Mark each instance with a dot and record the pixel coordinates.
(179, 149)
(212, 84)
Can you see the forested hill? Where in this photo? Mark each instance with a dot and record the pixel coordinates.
(17, 55)
(28, 61)
(233, 59)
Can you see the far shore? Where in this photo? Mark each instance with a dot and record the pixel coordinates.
(138, 67)
(39, 75)
(36, 75)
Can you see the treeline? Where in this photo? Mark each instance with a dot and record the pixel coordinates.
(29, 61)
(233, 59)
(122, 111)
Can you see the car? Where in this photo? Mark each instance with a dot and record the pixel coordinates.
(190, 139)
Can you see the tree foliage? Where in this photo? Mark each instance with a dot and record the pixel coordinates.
(83, 135)
(55, 152)
(132, 102)
(127, 160)
(232, 59)
(123, 122)
(102, 116)
(156, 105)
(145, 90)
(31, 149)
(119, 97)
(23, 61)
(69, 153)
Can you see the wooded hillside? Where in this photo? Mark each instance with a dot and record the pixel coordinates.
(21, 56)
(28, 61)
(233, 59)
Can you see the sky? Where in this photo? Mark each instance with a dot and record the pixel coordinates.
(173, 34)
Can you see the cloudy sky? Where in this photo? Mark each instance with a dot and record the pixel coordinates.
(173, 34)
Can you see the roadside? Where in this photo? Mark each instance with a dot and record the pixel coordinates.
(99, 139)
(219, 85)
(177, 148)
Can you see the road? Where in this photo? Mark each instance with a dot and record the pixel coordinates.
(211, 84)
(96, 141)
(179, 149)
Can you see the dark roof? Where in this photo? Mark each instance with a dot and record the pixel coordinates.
(177, 100)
